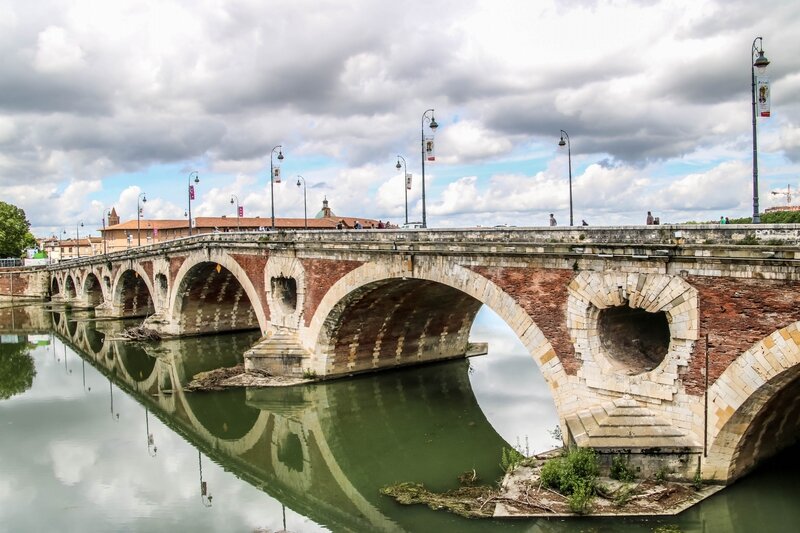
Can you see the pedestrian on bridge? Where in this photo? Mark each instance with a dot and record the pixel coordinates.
(553, 220)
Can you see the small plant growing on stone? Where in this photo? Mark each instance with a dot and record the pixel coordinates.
(697, 480)
(309, 373)
(623, 496)
(621, 469)
(556, 433)
(574, 475)
(510, 459)
(661, 474)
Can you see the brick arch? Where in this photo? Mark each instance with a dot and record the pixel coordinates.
(137, 303)
(92, 289)
(450, 281)
(753, 411)
(227, 301)
(55, 286)
(70, 287)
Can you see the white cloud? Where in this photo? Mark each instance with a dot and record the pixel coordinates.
(57, 51)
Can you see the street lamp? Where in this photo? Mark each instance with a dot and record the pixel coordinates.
(152, 450)
(205, 496)
(78, 237)
(143, 198)
(238, 211)
(272, 179)
(759, 63)
(433, 126)
(405, 178)
(191, 196)
(569, 158)
(305, 204)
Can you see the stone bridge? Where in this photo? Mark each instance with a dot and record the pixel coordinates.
(676, 343)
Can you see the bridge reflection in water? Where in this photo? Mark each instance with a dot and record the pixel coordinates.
(323, 450)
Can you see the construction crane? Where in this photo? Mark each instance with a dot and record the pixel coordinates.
(787, 193)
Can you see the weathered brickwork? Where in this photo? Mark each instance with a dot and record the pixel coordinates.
(147, 266)
(543, 294)
(13, 283)
(254, 266)
(736, 313)
(320, 277)
(175, 264)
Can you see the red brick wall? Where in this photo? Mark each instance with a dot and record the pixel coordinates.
(254, 266)
(542, 293)
(175, 264)
(321, 274)
(736, 313)
(19, 282)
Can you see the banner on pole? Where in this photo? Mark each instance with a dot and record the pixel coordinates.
(155, 232)
(408, 181)
(191, 192)
(762, 92)
(430, 154)
(241, 211)
(276, 174)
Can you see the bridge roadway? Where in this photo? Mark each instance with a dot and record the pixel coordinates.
(676, 344)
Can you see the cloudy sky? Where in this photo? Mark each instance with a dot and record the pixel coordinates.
(100, 101)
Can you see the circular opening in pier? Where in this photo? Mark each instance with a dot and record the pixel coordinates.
(161, 286)
(636, 340)
(284, 291)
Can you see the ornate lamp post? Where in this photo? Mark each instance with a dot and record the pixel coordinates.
(569, 158)
(78, 237)
(191, 195)
(238, 211)
(305, 204)
(405, 178)
(143, 198)
(272, 179)
(433, 126)
(759, 63)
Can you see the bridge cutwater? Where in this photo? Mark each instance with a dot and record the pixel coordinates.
(675, 344)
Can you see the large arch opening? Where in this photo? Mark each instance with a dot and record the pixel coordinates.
(54, 287)
(773, 412)
(69, 287)
(211, 299)
(394, 322)
(133, 295)
(93, 290)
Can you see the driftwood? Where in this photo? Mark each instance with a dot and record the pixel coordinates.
(140, 333)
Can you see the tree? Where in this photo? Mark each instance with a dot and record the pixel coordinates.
(15, 235)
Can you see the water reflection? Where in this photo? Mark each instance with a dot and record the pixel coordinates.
(16, 365)
(244, 457)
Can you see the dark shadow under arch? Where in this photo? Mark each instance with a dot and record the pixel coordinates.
(93, 290)
(134, 297)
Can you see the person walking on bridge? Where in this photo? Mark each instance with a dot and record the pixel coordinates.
(553, 220)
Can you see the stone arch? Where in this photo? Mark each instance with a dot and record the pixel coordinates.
(191, 310)
(754, 406)
(92, 290)
(285, 286)
(648, 302)
(133, 292)
(55, 286)
(70, 292)
(449, 280)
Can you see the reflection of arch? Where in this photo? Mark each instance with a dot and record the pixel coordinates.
(92, 290)
(135, 360)
(133, 292)
(753, 406)
(451, 281)
(215, 295)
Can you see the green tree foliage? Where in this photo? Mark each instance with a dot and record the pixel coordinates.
(16, 369)
(15, 235)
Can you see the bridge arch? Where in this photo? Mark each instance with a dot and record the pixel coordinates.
(70, 291)
(55, 286)
(213, 294)
(133, 292)
(434, 282)
(92, 290)
(754, 406)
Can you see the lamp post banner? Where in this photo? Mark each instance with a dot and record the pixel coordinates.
(241, 211)
(276, 174)
(763, 96)
(191, 192)
(430, 154)
(408, 181)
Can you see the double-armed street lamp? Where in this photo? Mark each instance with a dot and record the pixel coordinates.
(569, 159)
(78, 226)
(759, 63)
(272, 179)
(143, 198)
(238, 211)
(428, 148)
(191, 195)
(406, 182)
(305, 204)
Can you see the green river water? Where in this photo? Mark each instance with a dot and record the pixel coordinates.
(98, 435)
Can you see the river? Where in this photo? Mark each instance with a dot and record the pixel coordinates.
(99, 435)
